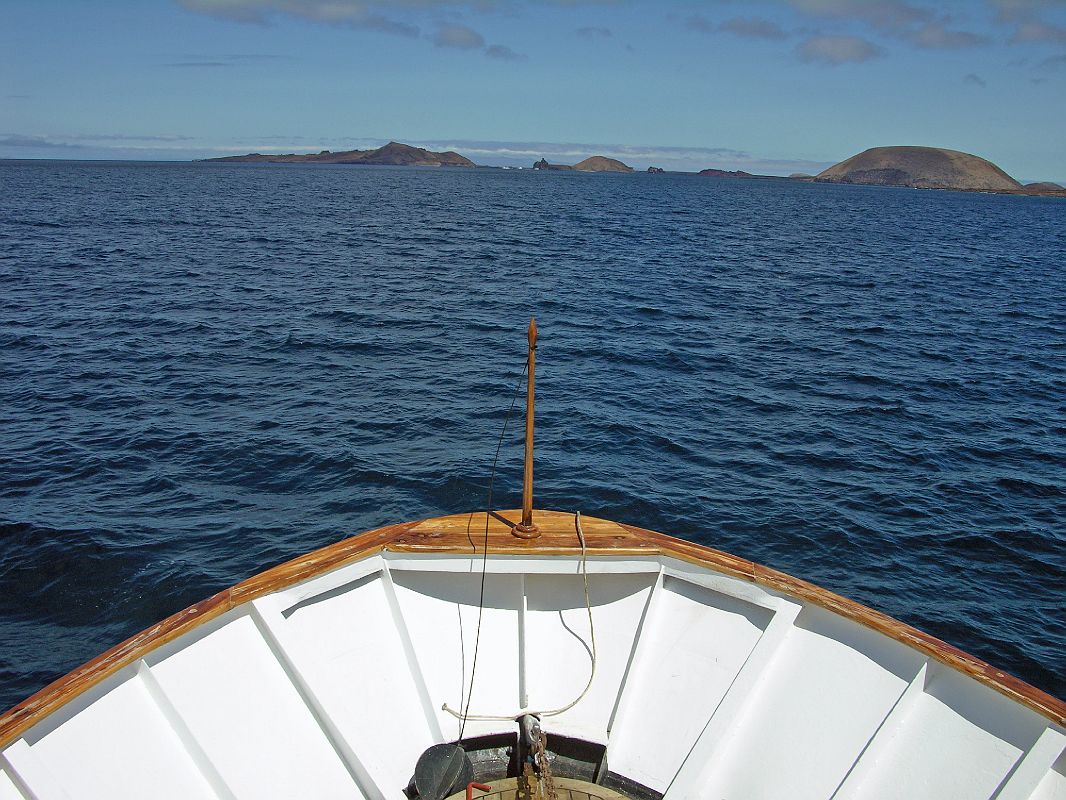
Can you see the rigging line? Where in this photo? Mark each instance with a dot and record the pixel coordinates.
(485, 556)
(592, 652)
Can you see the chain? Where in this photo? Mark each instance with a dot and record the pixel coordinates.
(546, 777)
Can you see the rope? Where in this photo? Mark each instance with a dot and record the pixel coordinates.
(484, 564)
(465, 715)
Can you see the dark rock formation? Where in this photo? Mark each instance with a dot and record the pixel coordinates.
(543, 164)
(724, 173)
(656, 170)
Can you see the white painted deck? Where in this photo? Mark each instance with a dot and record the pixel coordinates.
(707, 687)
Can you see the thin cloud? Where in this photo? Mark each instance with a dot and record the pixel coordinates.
(227, 60)
(502, 52)
(834, 50)
(747, 27)
(38, 142)
(258, 57)
(753, 28)
(1018, 10)
(974, 80)
(884, 15)
(936, 36)
(895, 18)
(199, 64)
(1029, 26)
(1036, 31)
(126, 137)
(1052, 62)
(696, 22)
(594, 32)
(458, 36)
(347, 13)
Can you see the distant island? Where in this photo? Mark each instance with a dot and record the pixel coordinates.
(1043, 186)
(930, 168)
(914, 167)
(592, 164)
(392, 154)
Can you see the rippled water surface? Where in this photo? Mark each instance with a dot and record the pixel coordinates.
(208, 369)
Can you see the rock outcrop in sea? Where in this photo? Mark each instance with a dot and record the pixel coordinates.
(543, 164)
(593, 164)
(921, 168)
(726, 173)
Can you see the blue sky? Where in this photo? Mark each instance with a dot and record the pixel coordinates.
(776, 86)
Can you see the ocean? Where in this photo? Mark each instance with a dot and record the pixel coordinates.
(207, 369)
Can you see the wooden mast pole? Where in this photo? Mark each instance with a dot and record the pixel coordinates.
(527, 529)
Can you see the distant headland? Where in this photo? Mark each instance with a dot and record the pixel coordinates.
(392, 154)
(908, 166)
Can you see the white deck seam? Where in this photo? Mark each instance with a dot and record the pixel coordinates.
(199, 757)
(1030, 769)
(30, 775)
(700, 759)
(636, 654)
(523, 607)
(358, 772)
(409, 653)
(859, 770)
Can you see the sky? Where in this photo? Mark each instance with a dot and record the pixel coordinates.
(767, 86)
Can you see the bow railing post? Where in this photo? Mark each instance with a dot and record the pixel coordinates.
(527, 529)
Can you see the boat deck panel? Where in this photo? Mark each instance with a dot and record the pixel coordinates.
(8, 790)
(1053, 785)
(816, 706)
(126, 720)
(695, 642)
(944, 748)
(236, 699)
(359, 674)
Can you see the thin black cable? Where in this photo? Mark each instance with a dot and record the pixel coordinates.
(485, 549)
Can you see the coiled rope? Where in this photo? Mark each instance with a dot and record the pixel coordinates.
(465, 714)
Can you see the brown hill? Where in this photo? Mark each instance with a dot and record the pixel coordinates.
(1043, 186)
(602, 164)
(394, 153)
(921, 168)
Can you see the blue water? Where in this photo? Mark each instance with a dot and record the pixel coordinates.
(208, 369)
